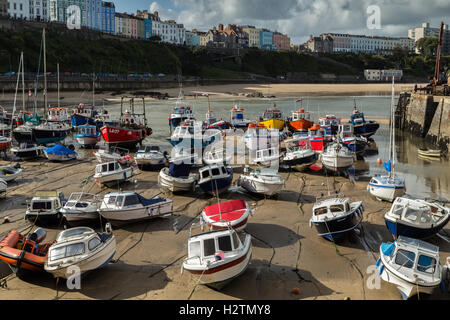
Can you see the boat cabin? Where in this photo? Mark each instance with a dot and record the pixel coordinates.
(272, 114)
(213, 172)
(108, 167)
(357, 118)
(211, 117)
(87, 130)
(237, 113)
(187, 129)
(267, 154)
(416, 212)
(182, 111)
(130, 119)
(80, 200)
(329, 120)
(58, 114)
(301, 115)
(127, 201)
(84, 111)
(46, 201)
(346, 130)
(331, 208)
(149, 149)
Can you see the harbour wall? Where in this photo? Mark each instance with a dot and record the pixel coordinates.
(426, 116)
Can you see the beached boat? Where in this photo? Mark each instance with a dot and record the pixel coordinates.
(299, 153)
(178, 178)
(114, 154)
(28, 150)
(261, 181)
(217, 257)
(237, 118)
(232, 214)
(330, 123)
(215, 178)
(113, 172)
(10, 173)
(150, 156)
(3, 186)
(58, 114)
(5, 143)
(50, 132)
(412, 265)
(266, 157)
(190, 134)
(88, 136)
(24, 133)
(416, 219)
(430, 153)
(337, 157)
(356, 144)
(131, 130)
(83, 115)
(335, 217)
(60, 153)
(317, 138)
(273, 119)
(179, 114)
(217, 156)
(103, 118)
(361, 126)
(80, 247)
(80, 208)
(259, 137)
(300, 120)
(388, 187)
(45, 206)
(121, 208)
(25, 252)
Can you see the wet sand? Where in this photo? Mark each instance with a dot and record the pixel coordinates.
(287, 253)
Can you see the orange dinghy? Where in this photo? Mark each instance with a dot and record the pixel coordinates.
(25, 252)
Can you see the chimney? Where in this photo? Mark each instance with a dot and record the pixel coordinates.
(310, 37)
(156, 14)
(220, 27)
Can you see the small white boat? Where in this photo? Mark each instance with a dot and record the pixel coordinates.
(10, 173)
(386, 188)
(80, 207)
(80, 247)
(299, 153)
(120, 208)
(337, 157)
(28, 150)
(217, 257)
(178, 178)
(262, 181)
(335, 217)
(412, 265)
(114, 154)
(416, 218)
(111, 172)
(232, 214)
(45, 206)
(150, 156)
(217, 156)
(266, 157)
(60, 153)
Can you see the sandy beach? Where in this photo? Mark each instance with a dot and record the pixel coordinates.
(70, 98)
(287, 253)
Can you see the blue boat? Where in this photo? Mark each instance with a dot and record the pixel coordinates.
(416, 219)
(60, 153)
(215, 179)
(83, 115)
(361, 126)
(179, 115)
(355, 144)
(88, 136)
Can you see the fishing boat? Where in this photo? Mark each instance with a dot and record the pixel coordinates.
(259, 137)
(45, 206)
(412, 265)
(88, 136)
(190, 134)
(299, 153)
(330, 123)
(261, 181)
(27, 150)
(178, 178)
(237, 118)
(58, 114)
(179, 114)
(300, 120)
(335, 217)
(131, 130)
(217, 156)
(120, 208)
(10, 173)
(215, 178)
(83, 115)
(232, 214)
(24, 133)
(25, 253)
(113, 154)
(150, 156)
(80, 208)
(82, 248)
(217, 257)
(113, 172)
(388, 187)
(337, 157)
(317, 138)
(356, 144)
(415, 218)
(60, 153)
(5, 143)
(273, 119)
(103, 117)
(50, 132)
(361, 126)
(266, 157)
(430, 153)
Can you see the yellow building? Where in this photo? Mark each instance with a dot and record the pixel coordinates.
(254, 39)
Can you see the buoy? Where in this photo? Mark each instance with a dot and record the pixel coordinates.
(296, 291)
(379, 161)
(6, 220)
(347, 298)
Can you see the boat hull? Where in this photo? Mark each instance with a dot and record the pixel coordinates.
(88, 141)
(79, 217)
(299, 125)
(366, 130)
(386, 192)
(78, 120)
(268, 189)
(58, 157)
(216, 185)
(114, 177)
(397, 228)
(337, 163)
(49, 136)
(336, 228)
(173, 184)
(123, 137)
(123, 217)
(273, 124)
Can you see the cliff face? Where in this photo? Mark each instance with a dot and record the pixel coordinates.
(426, 116)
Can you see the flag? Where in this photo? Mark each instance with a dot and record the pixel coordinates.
(388, 166)
(30, 94)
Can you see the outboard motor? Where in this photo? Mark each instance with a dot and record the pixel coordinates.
(108, 228)
(17, 166)
(38, 235)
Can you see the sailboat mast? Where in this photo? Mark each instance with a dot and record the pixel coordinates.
(93, 89)
(45, 75)
(57, 67)
(17, 88)
(392, 142)
(23, 82)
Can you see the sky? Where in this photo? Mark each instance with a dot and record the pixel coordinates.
(301, 18)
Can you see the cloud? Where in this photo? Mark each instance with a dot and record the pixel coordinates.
(300, 18)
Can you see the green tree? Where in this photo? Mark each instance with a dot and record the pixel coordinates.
(427, 46)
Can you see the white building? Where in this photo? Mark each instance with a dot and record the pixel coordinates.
(19, 9)
(372, 74)
(40, 10)
(254, 36)
(169, 31)
(425, 31)
(383, 75)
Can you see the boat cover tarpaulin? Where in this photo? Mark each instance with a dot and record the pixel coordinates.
(179, 170)
(59, 150)
(148, 202)
(387, 248)
(231, 210)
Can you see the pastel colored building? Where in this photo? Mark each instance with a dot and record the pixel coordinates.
(58, 10)
(192, 39)
(266, 40)
(241, 37)
(147, 23)
(120, 24)
(108, 16)
(94, 14)
(140, 28)
(281, 41)
(3, 8)
(39, 10)
(19, 9)
(254, 36)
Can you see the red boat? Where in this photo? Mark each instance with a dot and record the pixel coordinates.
(231, 213)
(131, 129)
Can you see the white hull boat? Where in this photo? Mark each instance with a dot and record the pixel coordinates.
(337, 157)
(120, 208)
(81, 207)
(177, 184)
(10, 173)
(150, 156)
(60, 157)
(264, 181)
(386, 188)
(82, 248)
(232, 214)
(116, 154)
(112, 172)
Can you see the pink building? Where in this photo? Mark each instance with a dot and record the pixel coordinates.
(282, 41)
